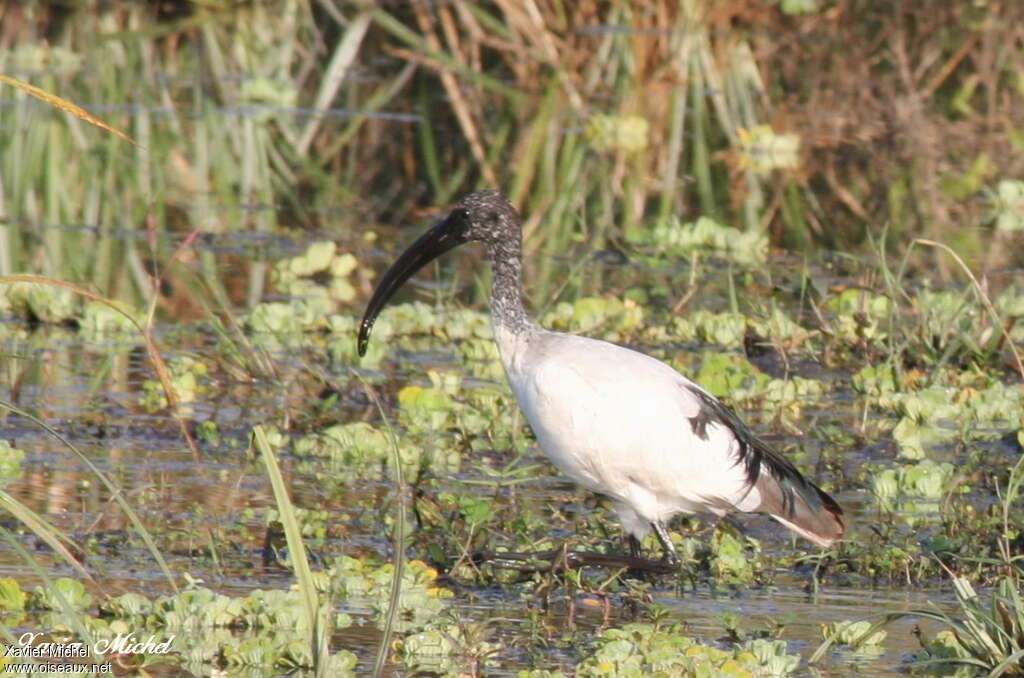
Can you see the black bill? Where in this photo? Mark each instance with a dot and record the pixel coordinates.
(442, 237)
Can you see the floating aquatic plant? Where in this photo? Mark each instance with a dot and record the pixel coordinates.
(610, 133)
(1008, 205)
(448, 647)
(914, 488)
(721, 329)
(186, 374)
(39, 301)
(275, 325)
(671, 237)
(421, 597)
(101, 323)
(860, 636)
(737, 379)
(734, 561)
(764, 150)
(645, 649)
(265, 629)
(860, 316)
(359, 449)
(72, 592)
(938, 414)
(320, 277)
(13, 598)
(10, 462)
(610, 318)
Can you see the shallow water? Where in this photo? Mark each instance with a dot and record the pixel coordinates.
(225, 491)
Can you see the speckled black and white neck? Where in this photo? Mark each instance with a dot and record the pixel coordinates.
(496, 223)
(506, 287)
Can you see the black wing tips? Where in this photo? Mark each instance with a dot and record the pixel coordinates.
(794, 500)
(785, 493)
(807, 509)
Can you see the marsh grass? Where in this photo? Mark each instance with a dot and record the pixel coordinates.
(54, 537)
(992, 636)
(317, 610)
(601, 120)
(43, 529)
(318, 613)
(987, 637)
(1009, 497)
(983, 297)
(73, 617)
(597, 119)
(145, 332)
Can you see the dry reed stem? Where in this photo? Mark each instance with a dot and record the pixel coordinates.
(551, 52)
(64, 105)
(344, 55)
(459, 103)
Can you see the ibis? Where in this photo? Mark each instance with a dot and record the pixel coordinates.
(617, 421)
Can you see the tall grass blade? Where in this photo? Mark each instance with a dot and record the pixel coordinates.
(981, 295)
(416, 41)
(72, 617)
(115, 491)
(296, 551)
(53, 537)
(380, 98)
(460, 103)
(700, 161)
(398, 541)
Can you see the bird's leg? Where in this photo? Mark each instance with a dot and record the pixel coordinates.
(667, 546)
(634, 547)
(636, 552)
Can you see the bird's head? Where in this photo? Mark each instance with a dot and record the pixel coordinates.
(489, 218)
(483, 216)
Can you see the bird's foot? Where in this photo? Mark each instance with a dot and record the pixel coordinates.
(635, 549)
(669, 554)
(669, 561)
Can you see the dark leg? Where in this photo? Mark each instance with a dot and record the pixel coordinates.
(636, 551)
(667, 546)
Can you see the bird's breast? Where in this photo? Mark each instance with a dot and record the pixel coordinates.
(561, 430)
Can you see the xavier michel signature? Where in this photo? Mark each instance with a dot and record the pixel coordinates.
(121, 644)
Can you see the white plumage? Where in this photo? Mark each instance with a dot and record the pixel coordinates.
(617, 421)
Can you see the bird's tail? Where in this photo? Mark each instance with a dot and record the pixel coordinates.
(801, 506)
(785, 494)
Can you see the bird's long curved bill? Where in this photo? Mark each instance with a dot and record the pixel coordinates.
(442, 237)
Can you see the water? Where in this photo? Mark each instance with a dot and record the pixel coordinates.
(207, 513)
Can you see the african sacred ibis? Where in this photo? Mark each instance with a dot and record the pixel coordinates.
(616, 421)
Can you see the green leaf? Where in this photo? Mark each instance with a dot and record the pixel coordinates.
(12, 598)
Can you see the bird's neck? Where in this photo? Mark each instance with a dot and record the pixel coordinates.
(507, 311)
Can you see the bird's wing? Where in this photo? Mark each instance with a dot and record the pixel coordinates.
(611, 417)
(618, 401)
